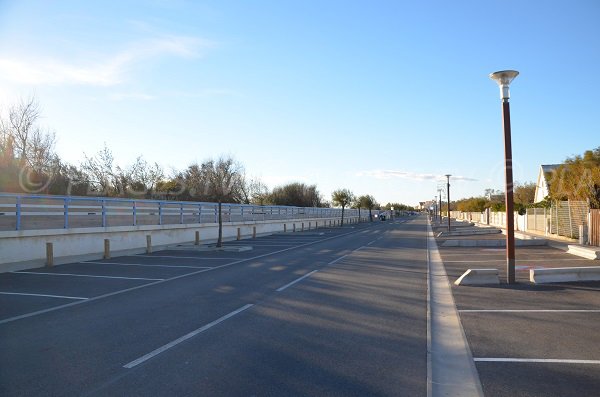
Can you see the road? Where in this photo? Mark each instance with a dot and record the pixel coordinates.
(330, 312)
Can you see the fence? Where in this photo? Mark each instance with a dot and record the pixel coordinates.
(27, 212)
(594, 227)
(564, 218)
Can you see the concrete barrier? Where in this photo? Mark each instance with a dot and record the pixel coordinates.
(584, 252)
(492, 243)
(564, 274)
(24, 249)
(479, 277)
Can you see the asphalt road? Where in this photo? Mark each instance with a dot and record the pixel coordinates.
(329, 312)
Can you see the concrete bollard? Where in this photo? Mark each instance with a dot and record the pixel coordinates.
(49, 254)
(106, 248)
(148, 244)
(197, 238)
(239, 233)
(253, 231)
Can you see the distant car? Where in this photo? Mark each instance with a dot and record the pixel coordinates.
(382, 217)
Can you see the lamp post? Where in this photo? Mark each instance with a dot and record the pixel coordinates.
(435, 208)
(440, 207)
(448, 190)
(504, 78)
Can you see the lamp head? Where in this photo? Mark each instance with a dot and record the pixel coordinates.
(504, 78)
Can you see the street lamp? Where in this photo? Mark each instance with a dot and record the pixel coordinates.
(440, 207)
(504, 78)
(448, 191)
(435, 208)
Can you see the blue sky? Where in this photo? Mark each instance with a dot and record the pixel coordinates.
(381, 97)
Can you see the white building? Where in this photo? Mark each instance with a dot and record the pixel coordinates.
(544, 176)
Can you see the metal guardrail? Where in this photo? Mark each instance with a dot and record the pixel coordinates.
(28, 212)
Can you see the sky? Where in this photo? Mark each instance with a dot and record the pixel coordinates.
(380, 97)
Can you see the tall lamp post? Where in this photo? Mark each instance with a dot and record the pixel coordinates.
(504, 78)
(440, 207)
(448, 190)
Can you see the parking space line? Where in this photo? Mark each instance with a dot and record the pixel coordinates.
(530, 311)
(145, 265)
(535, 360)
(520, 260)
(184, 338)
(89, 275)
(43, 295)
(178, 257)
(296, 280)
(137, 287)
(336, 260)
(372, 241)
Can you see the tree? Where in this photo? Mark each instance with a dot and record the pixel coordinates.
(524, 193)
(296, 194)
(342, 198)
(369, 203)
(578, 179)
(223, 179)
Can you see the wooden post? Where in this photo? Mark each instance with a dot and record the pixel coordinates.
(106, 248)
(148, 244)
(49, 254)
(302, 226)
(197, 238)
(294, 229)
(285, 227)
(239, 233)
(253, 231)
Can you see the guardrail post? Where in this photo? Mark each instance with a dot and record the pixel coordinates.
(66, 212)
(148, 244)
(18, 211)
(106, 248)
(253, 231)
(197, 238)
(200, 213)
(239, 233)
(103, 213)
(134, 214)
(181, 214)
(160, 213)
(49, 254)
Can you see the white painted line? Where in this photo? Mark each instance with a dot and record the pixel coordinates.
(178, 257)
(184, 338)
(43, 295)
(372, 241)
(140, 264)
(518, 260)
(109, 294)
(530, 311)
(89, 275)
(296, 280)
(336, 260)
(360, 248)
(535, 360)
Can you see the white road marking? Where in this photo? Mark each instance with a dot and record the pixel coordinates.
(43, 295)
(535, 360)
(89, 275)
(140, 264)
(137, 287)
(518, 260)
(296, 280)
(178, 257)
(372, 241)
(530, 311)
(184, 338)
(336, 260)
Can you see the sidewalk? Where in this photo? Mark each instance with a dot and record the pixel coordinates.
(528, 339)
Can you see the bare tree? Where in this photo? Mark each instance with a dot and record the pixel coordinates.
(223, 179)
(99, 171)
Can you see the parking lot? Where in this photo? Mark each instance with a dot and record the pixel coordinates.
(27, 292)
(527, 339)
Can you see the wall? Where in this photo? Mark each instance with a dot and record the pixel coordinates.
(27, 248)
